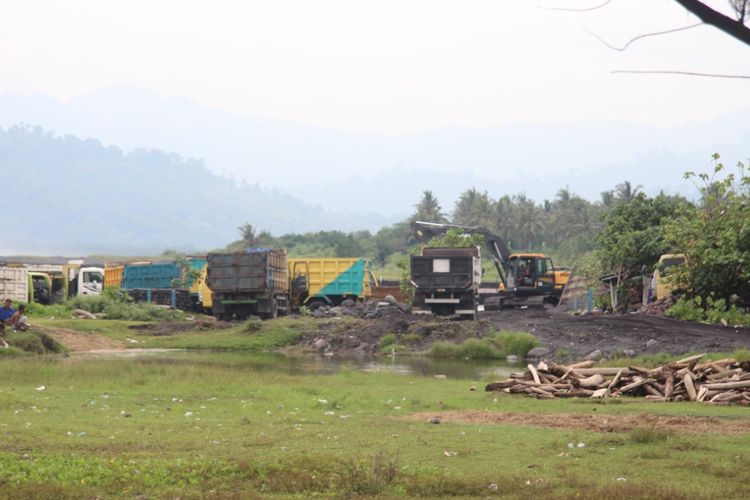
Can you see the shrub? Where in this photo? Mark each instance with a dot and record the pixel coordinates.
(444, 350)
(517, 343)
(252, 325)
(33, 342)
(711, 311)
(387, 340)
(117, 304)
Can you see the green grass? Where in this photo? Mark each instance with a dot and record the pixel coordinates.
(252, 335)
(216, 425)
(496, 345)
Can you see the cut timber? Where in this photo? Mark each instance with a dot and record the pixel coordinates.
(728, 385)
(688, 380)
(615, 381)
(534, 373)
(599, 393)
(669, 385)
(689, 359)
(702, 393)
(84, 314)
(592, 381)
(636, 384)
(604, 371)
(582, 364)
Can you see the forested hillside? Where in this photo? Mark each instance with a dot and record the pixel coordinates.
(65, 194)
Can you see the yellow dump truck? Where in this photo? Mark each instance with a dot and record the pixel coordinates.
(663, 285)
(113, 276)
(329, 280)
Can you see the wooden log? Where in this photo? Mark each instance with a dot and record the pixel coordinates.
(542, 366)
(600, 393)
(534, 373)
(582, 364)
(575, 393)
(636, 384)
(690, 359)
(542, 393)
(652, 390)
(728, 385)
(592, 381)
(725, 374)
(615, 381)
(604, 371)
(654, 398)
(690, 387)
(669, 385)
(84, 314)
(701, 393)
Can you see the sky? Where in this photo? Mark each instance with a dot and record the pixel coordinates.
(384, 67)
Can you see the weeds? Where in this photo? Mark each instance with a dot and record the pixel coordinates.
(496, 345)
(648, 435)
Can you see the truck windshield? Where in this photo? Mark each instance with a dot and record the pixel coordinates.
(92, 277)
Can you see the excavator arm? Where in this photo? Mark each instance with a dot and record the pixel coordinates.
(424, 231)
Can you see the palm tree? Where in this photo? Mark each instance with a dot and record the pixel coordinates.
(428, 209)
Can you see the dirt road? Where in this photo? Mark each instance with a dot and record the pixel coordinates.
(613, 335)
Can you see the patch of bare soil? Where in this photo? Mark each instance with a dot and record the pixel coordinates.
(619, 335)
(79, 341)
(591, 422)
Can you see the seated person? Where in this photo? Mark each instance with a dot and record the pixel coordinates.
(19, 321)
(6, 312)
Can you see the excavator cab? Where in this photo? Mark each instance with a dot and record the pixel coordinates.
(530, 274)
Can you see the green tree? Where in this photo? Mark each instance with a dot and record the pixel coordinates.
(633, 237)
(428, 209)
(473, 208)
(715, 235)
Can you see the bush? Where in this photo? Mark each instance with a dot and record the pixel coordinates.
(517, 343)
(33, 342)
(444, 350)
(387, 340)
(252, 325)
(497, 345)
(712, 311)
(117, 304)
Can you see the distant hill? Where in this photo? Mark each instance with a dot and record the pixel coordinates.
(383, 174)
(68, 195)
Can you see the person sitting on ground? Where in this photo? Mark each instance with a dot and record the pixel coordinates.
(6, 312)
(19, 321)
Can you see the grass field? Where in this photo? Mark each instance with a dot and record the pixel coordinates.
(213, 425)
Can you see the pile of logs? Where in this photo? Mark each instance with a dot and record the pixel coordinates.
(725, 381)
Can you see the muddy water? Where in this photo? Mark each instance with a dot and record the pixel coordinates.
(311, 365)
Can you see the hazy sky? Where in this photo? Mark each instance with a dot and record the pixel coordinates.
(379, 66)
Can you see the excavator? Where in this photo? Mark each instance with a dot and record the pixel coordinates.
(522, 275)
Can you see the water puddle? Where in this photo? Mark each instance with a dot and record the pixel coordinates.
(308, 365)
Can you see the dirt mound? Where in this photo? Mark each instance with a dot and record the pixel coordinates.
(78, 341)
(347, 336)
(589, 422)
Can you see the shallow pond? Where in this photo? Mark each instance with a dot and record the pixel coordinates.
(313, 365)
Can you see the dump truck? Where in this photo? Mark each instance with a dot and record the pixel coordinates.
(523, 275)
(329, 280)
(663, 285)
(446, 281)
(255, 282)
(49, 283)
(113, 275)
